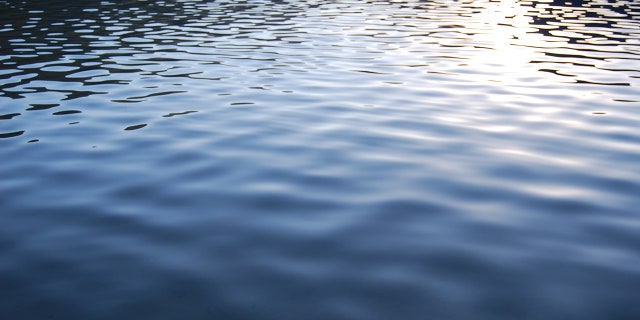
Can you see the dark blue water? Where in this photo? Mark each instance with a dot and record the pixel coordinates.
(345, 159)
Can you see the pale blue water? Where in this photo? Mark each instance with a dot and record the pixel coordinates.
(344, 159)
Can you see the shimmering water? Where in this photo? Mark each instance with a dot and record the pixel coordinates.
(344, 159)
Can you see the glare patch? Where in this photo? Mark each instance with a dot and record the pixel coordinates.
(506, 30)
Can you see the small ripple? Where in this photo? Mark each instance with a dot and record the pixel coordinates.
(173, 114)
(58, 68)
(36, 107)
(139, 98)
(8, 116)
(88, 74)
(135, 127)
(11, 134)
(66, 112)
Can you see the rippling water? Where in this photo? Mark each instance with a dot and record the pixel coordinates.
(345, 159)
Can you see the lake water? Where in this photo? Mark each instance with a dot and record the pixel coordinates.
(344, 159)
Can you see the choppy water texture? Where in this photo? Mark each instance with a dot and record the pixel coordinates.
(343, 159)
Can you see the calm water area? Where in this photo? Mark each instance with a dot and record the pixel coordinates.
(317, 159)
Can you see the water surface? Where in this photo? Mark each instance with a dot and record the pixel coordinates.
(344, 159)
